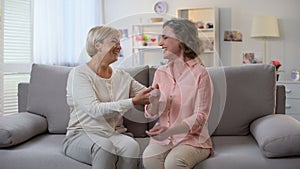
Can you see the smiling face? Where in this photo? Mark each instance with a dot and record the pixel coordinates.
(112, 42)
(170, 44)
(185, 31)
(101, 39)
(111, 49)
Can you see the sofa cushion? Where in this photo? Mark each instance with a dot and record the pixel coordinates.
(41, 152)
(242, 152)
(250, 94)
(47, 95)
(19, 127)
(280, 99)
(277, 135)
(219, 97)
(139, 73)
(134, 120)
(152, 71)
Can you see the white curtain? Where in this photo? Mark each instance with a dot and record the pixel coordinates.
(60, 29)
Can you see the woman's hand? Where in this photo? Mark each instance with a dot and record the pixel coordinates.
(142, 98)
(158, 132)
(154, 94)
(161, 133)
(153, 107)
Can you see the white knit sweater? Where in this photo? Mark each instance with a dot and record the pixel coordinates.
(97, 104)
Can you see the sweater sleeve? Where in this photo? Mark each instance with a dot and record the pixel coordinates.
(82, 96)
(135, 87)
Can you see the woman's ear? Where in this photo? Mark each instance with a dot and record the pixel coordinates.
(98, 46)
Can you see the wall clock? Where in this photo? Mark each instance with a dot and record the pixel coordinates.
(161, 7)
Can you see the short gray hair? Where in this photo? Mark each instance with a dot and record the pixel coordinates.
(98, 34)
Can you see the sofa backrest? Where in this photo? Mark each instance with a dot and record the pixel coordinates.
(242, 94)
(46, 95)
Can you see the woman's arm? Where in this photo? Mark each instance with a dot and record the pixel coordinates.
(138, 92)
(161, 133)
(195, 122)
(136, 87)
(203, 104)
(81, 90)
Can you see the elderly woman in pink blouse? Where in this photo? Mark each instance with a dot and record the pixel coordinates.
(181, 101)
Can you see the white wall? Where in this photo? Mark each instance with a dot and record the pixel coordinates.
(233, 15)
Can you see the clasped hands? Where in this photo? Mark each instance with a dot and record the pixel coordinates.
(151, 96)
(158, 131)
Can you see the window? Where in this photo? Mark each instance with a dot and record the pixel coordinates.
(16, 50)
(60, 29)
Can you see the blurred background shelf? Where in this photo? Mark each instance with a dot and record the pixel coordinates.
(207, 20)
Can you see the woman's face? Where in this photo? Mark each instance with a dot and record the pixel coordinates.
(111, 49)
(169, 44)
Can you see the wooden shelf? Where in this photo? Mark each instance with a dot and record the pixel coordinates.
(152, 53)
(206, 30)
(148, 24)
(147, 47)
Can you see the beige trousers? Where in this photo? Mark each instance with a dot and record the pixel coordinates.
(157, 156)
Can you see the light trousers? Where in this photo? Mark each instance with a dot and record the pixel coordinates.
(157, 156)
(117, 151)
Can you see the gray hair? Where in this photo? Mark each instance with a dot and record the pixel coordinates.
(187, 33)
(98, 34)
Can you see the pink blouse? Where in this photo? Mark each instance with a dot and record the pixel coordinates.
(185, 98)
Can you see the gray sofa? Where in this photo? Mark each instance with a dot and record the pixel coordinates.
(248, 126)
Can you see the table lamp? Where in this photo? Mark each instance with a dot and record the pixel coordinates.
(264, 27)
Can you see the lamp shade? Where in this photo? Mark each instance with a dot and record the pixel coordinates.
(264, 26)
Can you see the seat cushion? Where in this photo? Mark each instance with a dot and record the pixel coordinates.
(242, 152)
(42, 152)
(47, 95)
(45, 152)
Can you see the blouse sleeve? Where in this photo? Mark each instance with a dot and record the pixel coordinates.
(82, 96)
(203, 103)
(149, 114)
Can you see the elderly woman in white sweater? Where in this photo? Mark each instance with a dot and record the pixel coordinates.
(98, 95)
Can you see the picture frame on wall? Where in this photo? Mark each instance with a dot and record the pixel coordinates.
(233, 36)
(249, 58)
(208, 45)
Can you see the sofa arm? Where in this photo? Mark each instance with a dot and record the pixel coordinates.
(277, 135)
(19, 127)
(280, 99)
(22, 96)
